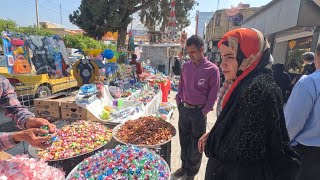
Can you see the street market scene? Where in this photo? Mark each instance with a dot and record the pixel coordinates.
(160, 90)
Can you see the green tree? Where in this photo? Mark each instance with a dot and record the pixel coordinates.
(84, 42)
(99, 16)
(158, 13)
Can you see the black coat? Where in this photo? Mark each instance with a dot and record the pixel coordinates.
(249, 140)
(309, 69)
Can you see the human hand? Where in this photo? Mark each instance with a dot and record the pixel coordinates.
(31, 136)
(38, 122)
(202, 142)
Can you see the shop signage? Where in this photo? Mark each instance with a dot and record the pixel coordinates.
(301, 43)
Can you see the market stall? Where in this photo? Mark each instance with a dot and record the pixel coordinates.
(103, 114)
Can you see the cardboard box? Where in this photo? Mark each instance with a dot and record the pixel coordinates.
(49, 107)
(71, 111)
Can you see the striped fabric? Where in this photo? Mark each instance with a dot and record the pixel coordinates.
(14, 110)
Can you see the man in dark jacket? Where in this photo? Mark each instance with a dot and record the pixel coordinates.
(282, 78)
(309, 67)
(177, 67)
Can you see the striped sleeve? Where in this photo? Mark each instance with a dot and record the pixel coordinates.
(6, 141)
(11, 104)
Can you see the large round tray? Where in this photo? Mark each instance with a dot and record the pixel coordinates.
(75, 169)
(115, 130)
(33, 152)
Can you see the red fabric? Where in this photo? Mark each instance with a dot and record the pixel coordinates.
(138, 66)
(165, 88)
(249, 45)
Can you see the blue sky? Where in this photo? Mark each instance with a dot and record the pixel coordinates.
(23, 11)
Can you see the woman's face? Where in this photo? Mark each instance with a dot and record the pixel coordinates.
(229, 64)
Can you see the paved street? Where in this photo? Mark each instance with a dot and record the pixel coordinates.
(175, 149)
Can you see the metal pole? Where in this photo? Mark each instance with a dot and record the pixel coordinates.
(60, 15)
(37, 15)
(218, 4)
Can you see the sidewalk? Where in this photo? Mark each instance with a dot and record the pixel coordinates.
(175, 145)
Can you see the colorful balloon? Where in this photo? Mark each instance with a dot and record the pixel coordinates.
(117, 55)
(108, 54)
(113, 60)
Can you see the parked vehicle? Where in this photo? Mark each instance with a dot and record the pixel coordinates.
(36, 85)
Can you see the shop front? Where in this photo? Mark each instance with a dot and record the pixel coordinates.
(292, 28)
(296, 48)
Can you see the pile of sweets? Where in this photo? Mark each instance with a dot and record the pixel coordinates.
(145, 131)
(23, 168)
(78, 138)
(122, 163)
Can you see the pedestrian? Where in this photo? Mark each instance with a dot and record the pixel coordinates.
(249, 139)
(302, 119)
(197, 93)
(282, 79)
(24, 120)
(309, 66)
(137, 68)
(177, 67)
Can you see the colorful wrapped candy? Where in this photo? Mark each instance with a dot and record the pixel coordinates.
(123, 162)
(79, 138)
(24, 168)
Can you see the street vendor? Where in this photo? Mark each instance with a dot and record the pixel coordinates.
(24, 120)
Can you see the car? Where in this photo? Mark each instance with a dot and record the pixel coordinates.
(36, 85)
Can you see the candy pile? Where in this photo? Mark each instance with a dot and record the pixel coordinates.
(80, 137)
(21, 167)
(145, 131)
(123, 162)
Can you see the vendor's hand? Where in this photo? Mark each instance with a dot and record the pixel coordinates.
(202, 142)
(31, 136)
(38, 122)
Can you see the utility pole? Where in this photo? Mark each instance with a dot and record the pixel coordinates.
(37, 15)
(218, 4)
(60, 15)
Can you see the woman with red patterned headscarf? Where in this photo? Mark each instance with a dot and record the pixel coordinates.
(249, 140)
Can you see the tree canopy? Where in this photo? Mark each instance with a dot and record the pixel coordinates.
(99, 16)
(84, 42)
(158, 13)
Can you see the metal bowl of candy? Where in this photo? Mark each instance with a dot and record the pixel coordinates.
(146, 131)
(122, 162)
(76, 139)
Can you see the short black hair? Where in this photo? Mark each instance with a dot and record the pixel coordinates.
(133, 56)
(308, 56)
(195, 40)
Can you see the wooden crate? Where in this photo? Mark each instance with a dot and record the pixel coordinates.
(49, 107)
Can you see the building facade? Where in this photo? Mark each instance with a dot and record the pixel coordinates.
(223, 21)
(202, 18)
(292, 28)
(58, 30)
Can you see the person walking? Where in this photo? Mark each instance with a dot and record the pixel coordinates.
(282, 79)
(302, 115)
(197, 93)
(249, 140)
